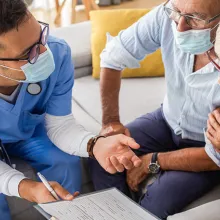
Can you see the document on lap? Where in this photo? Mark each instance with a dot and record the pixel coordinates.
(105, 205)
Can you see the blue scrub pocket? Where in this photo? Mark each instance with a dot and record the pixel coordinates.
(31, 121)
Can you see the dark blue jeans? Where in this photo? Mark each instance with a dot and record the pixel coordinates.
(173, 190)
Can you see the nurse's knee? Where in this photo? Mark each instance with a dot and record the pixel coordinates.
(4, 209)
(68, 162)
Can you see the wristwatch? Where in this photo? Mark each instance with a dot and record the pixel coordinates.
(91, 145)
(154, 166)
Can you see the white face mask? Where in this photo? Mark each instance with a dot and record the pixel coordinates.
(193, 41)
(37, 72)
(217, 43)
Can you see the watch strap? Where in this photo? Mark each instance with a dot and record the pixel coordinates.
(154, 158)
(91, 144)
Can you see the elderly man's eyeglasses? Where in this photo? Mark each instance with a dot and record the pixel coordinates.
(34, 51)
(193, 21)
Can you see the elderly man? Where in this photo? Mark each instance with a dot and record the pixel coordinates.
(210, 210)
(172, 137)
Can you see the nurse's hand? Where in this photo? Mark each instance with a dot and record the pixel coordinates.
(114, 153)
(36, 192)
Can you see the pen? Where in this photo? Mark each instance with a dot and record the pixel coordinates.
(48, 186)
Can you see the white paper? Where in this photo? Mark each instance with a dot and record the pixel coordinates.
(105, 205)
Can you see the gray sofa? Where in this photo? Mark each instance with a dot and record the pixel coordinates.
(137, 97)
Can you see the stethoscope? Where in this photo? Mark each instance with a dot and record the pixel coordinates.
(34, 88)
(4, 156)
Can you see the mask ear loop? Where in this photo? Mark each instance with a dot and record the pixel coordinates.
(10, 68)
(15, 80)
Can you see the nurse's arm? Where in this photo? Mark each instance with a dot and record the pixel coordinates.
(112, 153)
(14, 183)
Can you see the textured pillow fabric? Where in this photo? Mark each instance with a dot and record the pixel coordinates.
(113, 21)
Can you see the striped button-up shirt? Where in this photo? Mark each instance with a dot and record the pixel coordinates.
(190, 96)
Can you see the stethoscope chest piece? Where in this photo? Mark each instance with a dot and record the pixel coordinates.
(34, 89)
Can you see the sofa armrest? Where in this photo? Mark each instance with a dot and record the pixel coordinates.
(78, 38)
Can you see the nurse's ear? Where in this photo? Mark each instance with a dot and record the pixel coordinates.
(217, 42)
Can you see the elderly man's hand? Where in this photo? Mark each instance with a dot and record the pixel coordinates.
(114, 128)
(137, 175)
(213, 128)
(114, 153)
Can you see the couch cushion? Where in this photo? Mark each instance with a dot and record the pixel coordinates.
(214, 194)
(89, 123)
(137, 97)
(78, 37)
(82, 71)
(208, 211)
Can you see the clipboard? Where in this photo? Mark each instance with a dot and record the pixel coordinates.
(49, 217)
(42, 212)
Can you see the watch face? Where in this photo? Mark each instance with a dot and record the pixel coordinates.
(154, 168)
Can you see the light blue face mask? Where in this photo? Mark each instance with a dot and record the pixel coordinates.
(193, 41)
(37, 72)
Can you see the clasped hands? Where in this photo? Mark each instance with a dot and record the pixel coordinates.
(135, 174)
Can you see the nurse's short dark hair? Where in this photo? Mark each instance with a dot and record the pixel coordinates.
(12, 14)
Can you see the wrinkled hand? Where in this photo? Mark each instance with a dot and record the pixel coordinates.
(36, 192)
(137, 175)
(213, 128)
(114, 153)
(114, 128)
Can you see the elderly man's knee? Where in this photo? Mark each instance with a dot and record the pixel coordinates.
(161, 207)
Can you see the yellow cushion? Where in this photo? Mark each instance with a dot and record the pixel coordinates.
(113, 21)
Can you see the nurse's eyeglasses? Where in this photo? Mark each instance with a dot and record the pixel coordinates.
(193, 21)
(34, 51)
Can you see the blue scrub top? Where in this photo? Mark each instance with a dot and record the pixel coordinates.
(21, 120)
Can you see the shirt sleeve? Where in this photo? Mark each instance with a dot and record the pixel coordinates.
(210, 150)
(134, 43)
(9, 180)
(59, 104)
(67, 134)
(212, 153)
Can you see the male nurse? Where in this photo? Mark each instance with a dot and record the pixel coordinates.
(36, 80)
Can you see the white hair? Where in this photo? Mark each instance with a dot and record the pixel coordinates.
(217, 42)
